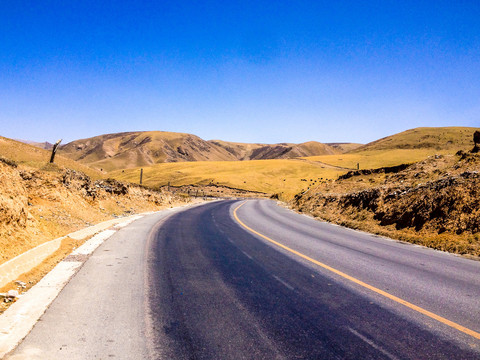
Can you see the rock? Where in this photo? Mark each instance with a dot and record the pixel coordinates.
(21, 284)
(12, 294)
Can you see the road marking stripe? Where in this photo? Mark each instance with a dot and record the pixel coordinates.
(372, 344)
(246, 255)
(361, 283)
(287, 285)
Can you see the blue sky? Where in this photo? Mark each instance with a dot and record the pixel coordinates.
(249, 71)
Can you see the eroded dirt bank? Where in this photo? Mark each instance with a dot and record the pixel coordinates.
(435, 203)
(40, 205)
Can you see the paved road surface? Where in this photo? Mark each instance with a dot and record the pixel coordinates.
(199, 285)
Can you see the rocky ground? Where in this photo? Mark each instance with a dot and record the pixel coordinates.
(40, 205)
(435, 202)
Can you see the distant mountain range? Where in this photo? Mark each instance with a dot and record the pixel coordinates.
(42, 145)
(133, 149)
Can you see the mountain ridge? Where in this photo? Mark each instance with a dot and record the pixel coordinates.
(142, 148)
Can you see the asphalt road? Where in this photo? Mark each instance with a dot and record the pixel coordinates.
(200, 285)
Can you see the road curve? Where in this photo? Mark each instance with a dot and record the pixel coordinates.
(219, 281)
(224, 292)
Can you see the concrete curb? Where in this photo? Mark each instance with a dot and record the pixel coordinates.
(13, 268)
(18, 320)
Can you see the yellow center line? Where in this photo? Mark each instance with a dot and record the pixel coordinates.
(361, 283)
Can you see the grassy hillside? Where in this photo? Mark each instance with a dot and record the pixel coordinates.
(434, 138)
(270, 176)
(404, 148)
(377, 158)
(38, 158)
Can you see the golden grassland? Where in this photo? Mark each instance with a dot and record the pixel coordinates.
(451, 138)
(269, 176)
(37, 158)
(404, 148)
(274, 176)
(377, 158)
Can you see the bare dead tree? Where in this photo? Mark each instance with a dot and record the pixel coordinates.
(54, 151)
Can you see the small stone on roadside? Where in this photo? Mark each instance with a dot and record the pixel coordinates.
(21, 284)
(12, 294)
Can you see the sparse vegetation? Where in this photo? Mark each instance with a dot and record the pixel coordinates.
(372, 159)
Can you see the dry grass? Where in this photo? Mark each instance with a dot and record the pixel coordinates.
(467, 244)
(269, 176)
(377, 158)
(404, 148)
(135, 149)
(34, 157)
(435, 138)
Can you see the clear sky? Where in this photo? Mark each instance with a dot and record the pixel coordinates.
(249, 71)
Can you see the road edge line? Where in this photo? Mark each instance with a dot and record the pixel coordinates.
(394, 298)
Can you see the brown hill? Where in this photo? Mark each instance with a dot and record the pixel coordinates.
(133, 149)
(244, 151)
(344, 147)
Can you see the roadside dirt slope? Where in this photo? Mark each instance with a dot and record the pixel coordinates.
(435, 202)
(40, 205)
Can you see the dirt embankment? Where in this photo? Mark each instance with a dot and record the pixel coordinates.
(435, 203)
(40, 205)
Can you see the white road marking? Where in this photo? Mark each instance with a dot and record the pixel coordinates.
(372, 344)
(287, 285)
(247, 255)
